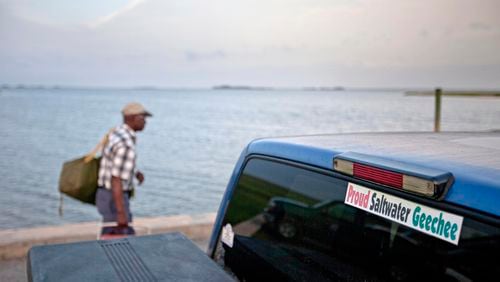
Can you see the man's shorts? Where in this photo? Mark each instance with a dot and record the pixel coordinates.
(106, 205)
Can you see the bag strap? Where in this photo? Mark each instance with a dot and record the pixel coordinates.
(61, 204)
(99, 146)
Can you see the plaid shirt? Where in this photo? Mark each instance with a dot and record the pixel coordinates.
(118, 158)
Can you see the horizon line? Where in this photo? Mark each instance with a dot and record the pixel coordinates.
(21, 86)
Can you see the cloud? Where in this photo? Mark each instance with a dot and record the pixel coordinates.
(204, 56)
(424, 33)
(480, 26)
(102, 20)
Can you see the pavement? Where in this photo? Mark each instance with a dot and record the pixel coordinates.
(15, 243)
(13, 270)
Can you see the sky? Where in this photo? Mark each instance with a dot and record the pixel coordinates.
(274, 43)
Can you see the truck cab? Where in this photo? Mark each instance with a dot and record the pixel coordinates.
(368, 206)
(349, 207)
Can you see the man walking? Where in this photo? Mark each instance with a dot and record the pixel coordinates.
(117, 170)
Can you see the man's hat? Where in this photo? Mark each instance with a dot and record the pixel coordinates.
(135, 109)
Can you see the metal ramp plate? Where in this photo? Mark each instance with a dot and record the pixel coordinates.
(165, 257)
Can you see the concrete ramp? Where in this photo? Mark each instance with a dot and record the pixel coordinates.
(15, 243)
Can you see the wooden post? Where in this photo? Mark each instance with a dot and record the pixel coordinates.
(437, 110)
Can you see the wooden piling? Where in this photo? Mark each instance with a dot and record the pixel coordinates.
(437, 110)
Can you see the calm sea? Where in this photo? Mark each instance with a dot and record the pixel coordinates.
(189, 147)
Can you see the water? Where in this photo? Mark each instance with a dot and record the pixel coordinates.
(188, 149)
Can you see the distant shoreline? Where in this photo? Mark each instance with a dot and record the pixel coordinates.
(408, 91)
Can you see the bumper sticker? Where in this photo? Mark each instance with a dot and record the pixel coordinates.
(227, 235)
(440, 224)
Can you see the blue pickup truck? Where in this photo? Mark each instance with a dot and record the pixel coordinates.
(363, 207)
(349, 207)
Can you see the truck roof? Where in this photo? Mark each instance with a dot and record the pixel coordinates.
(473, 158)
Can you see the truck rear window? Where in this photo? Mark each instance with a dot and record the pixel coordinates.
(287, 222)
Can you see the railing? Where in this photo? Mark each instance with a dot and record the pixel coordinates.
(437, 101)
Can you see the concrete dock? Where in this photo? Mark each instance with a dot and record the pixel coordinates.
(15, 243)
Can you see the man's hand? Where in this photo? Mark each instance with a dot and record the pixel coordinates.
(121, 219)
(140, 177)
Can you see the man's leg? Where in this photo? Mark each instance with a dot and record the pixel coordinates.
(106, 207)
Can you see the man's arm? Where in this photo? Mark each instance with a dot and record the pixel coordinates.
(117, 191)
